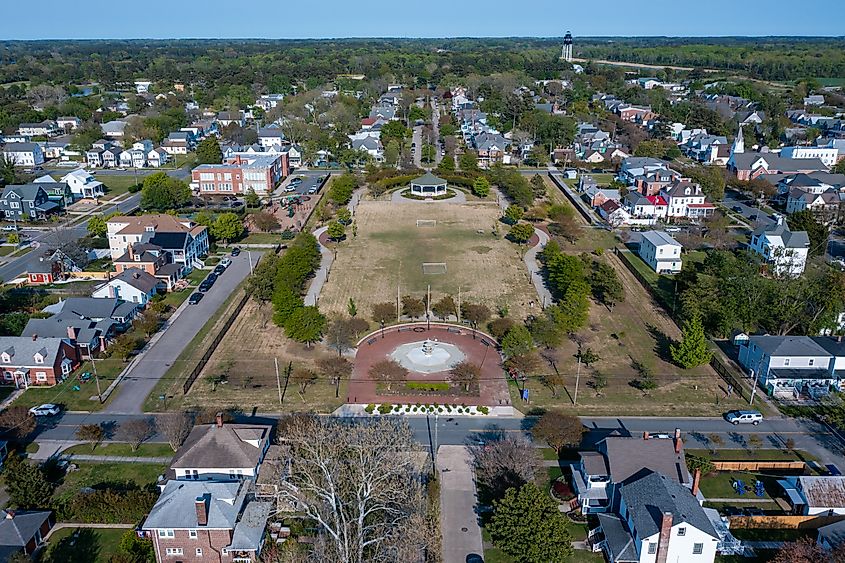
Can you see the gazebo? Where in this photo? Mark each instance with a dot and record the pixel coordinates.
(428, 185)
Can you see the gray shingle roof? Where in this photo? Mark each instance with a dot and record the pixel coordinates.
(620, 542)
(659, 238)
(27, 192)
(22, 350)
(17, 531)
(794, 346)
(211, 447)
(138, 279)
(628, 456)
(249, 531)
(791, 239)
(650, 496)
(20, 147)
(176, 509)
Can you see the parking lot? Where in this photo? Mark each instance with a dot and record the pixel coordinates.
(308, 183)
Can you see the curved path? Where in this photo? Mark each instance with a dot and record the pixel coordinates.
(396, 197)
(533, 266)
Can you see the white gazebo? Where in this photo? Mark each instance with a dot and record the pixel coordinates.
(428, 185)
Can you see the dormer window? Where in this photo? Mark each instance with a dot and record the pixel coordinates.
(39, 359)
(5, 358)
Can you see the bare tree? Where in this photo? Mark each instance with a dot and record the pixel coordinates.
(383, 313)
(16, 422)
(175, 426)
(389, 372)
(340, 335)
(502, 464)
(137, 431)
(303, 377)
(93, 433)
(335, 368)
(361, 484)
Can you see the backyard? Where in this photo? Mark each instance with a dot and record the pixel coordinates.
(464, 251)
(76, 545)
(75, 393)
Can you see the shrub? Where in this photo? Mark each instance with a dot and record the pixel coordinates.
(421, 386)
(287, 234)
(109, 506)
(385, 408)
(370, 408)
(460, 410)
(483, 410)
(561, 490)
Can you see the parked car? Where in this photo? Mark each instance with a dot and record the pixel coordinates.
(744, 417)
(218, 269)
(195, 298)
(225, 262)
(236, 251)
(47, 409)
(9, 228)
(205, 286)
(312, 190)
(290, 188)
(211, 278)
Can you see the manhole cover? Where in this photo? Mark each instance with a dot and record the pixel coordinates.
(464, 530)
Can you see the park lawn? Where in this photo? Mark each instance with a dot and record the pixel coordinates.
(93, 474)
(261, 238)
(122, 450)
(742, 454)
(91, 545)
(63, 393)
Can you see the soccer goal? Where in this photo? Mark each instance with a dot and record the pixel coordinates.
(426, 222)
(434, 268)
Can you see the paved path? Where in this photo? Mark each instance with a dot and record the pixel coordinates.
(458, 519)
(530, 259)
(322, 274)
(143, 375)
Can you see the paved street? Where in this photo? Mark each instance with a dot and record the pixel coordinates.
(139, 382)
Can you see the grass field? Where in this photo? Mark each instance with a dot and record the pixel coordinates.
(96, 474)
(247, 354)
(117, 185)
(261, 238)
(87, 544)
(118, 449)
(390, 250)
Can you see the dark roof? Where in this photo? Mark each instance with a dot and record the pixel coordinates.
(626, 457)
(648, 497)
(138, 279)
(428, 179)
(27, 192)
(832, 344)
(594, 463)
(620, 542)
(793, 346)
(21, 527)
(170, 241)
(211, 447)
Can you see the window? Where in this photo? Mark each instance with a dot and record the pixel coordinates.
(652, 548)
(14, 205)
(165, 533)
(812, 361)
(199, 552)
(786, 361)
(682, 531)
(41, 376)
(192, 534)
(697, 548)
(174, 551)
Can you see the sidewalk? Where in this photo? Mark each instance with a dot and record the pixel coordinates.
(530, 259)
(322, 274)
(458, 501)
(118, 458)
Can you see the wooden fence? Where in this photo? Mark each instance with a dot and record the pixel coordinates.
(784, 522)
(576, 204)
(758, 465)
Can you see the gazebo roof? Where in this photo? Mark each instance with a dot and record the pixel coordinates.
(429, 179)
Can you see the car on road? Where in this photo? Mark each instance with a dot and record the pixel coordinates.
(195, 298)
(9, 228)
(312, 190)
(47, 409)
(236, 251)
(225, 262)
(290, 188)
(744, 417)
(211, 278)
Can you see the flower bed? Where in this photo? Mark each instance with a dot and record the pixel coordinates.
(434, 408)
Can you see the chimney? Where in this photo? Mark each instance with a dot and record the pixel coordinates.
(131, 251)
(678, 442)
(663, 541)
(219, 418)
(696, 479)
(34, 337)
(201, 505)
(10, 514)
(645, 435)
(71, 333)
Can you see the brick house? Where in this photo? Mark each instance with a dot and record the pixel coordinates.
(207, 521)
(239, 173)
(26, 361)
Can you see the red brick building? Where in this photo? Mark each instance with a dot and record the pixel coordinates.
(26, 361)
(260, 172)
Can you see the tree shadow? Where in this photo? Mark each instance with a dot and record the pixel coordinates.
(661, 343)
(738, 439)
(82, 546)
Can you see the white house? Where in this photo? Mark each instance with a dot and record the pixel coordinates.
(24, 154)
(132, 285)
(142, 86)
(82, 184)
(133, 158)
(157, 157)
(828, 155)
(785, 250)
(686, 199)
(113, 129)
(43, 129)
(68, 123)
(652, 207)
(661, 252)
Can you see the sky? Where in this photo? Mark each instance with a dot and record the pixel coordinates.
(277, 19)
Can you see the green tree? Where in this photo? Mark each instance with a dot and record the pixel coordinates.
(527, 525)
(517, 341)
(481, 187)
(261, 283)
(160, 192)
(208, 151)
(342, 187)
(227, 227)
(521, 232)
(394, 130)
(692, 350)
(7, 170)
(139, 550)
(251, 198)
(447, 164)
(468, 161)
(336, 230)
(817, 232)
(306, 325)
(605, 285)
(445, 307)
(344, 216)
(26, 484)
(286, 302)
(559, 430)
(514, 213)
(538, 186)
(13, 238)
(391, 153)
(839, 167)
(589, 356)
(97, 226)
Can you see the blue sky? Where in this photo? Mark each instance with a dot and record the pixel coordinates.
(85, 19)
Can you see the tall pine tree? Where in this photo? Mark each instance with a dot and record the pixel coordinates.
(692, 350)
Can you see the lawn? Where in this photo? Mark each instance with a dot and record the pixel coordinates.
(82, 544)
(122, 450)
(64, 393)
(390, 251)
(720, 485)
(261, 238)
(7, 249)
(175, 298)
(742, 454)
(117, 185)
(92, 474)
(196, 276)
(495, 555)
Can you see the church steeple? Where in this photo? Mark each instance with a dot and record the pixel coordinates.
(739, 143)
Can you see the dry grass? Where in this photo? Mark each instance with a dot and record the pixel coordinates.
(247, 353)
(390, 249)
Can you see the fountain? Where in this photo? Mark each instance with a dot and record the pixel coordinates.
(428, 356)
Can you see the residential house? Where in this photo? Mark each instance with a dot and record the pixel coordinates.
(82, 184)
(111, 157)
(596, 196)
(612, 212)
(68, 124)
(658, 520)
(94, 157)
(652, 183)
(133, 158)
(792, 366)
(661, 252)
(387, 113)
(708, 149)
(814, 100)
(222, 451)
(269, 101)
(114, 129)
(33, 360)
(785, 250)
(226, 118)
(271, 137)
(635, 166)
(815, 495)
(152, 259)
(239, 173)
(58, 192)
(750, 165)
(26, 202)
(24, 154)
(207, 521)
(294, 155)
(45, 128)
(177, 143)
(158, 157)
(185, 240)
(23, 531)
(50, 267)
(826, 206)
(686, 200)
(370, 145)
(132, 285)
(491, 148)
(644, 210)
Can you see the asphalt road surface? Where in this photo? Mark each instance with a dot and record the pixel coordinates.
(142, 378)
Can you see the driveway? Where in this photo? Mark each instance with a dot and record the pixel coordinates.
(155, 361)
(458, 519)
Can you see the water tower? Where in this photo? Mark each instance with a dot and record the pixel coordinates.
(567, 47)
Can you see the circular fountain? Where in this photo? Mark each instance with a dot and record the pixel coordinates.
(428, 356)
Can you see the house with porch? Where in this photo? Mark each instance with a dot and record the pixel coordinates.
(33, 360)
(83, 185)
(786, 251)
(133, 285)
(26, 202)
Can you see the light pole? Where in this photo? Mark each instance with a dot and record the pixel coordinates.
(577, 379)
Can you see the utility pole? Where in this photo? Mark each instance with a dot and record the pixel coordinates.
(278, 381)
(428, 309)
(577, 379)
(287, 378)
(96, 379)
(459, 304)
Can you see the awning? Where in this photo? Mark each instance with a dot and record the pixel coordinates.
(47, 206)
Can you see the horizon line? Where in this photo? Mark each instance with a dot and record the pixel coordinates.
(429, 38)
